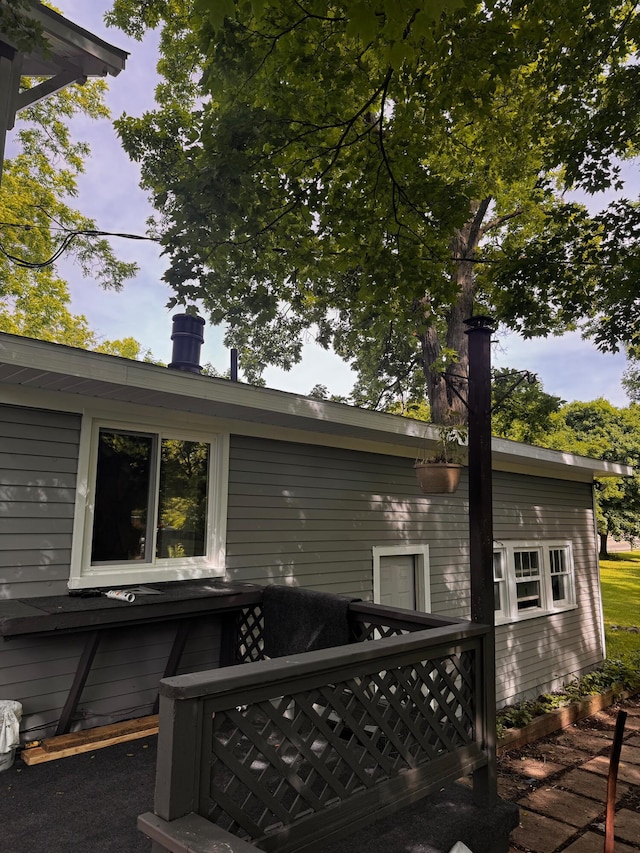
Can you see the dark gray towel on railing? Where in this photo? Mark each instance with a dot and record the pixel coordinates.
(302, 620)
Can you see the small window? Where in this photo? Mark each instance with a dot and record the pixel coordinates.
(560, 576)
(531, 579)
(401, 576)
(527, 572)
(154, 509)
(499, 584)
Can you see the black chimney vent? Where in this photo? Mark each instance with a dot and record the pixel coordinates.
(187, 339)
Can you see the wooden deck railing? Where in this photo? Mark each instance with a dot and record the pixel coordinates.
(281, 752)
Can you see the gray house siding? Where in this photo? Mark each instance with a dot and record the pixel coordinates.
(123, 682)
(38, 463)
(296, 512)
(543, 653)
(310, 515)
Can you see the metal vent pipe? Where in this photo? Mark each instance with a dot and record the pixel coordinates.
(187, 336)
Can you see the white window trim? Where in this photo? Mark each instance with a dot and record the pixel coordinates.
(83, 575)
(422, 571)
(510, 612)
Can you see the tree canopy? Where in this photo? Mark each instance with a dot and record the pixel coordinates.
(521, 408)
(16, 23)
(595, 429)
(377, 171)
(602, 431)
(38, 226)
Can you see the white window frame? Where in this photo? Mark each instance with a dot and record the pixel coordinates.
(84, 575)
(422, 576)
(508, 584)
(500, 580)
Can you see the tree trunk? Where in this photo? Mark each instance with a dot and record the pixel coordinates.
(603, 544)
(447, 380)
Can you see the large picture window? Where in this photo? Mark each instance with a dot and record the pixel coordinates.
(154, 507)
(131, 514)
(532, 579)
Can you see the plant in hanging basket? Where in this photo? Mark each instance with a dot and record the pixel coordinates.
(439, 473)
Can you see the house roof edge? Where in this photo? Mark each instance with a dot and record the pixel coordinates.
(35, 364)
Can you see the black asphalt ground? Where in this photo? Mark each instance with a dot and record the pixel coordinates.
(89, 803)
(85, 804)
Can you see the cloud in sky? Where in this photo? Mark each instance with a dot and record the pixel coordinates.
(109, 193)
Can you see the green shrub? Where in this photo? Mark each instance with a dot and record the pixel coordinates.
(611, 674)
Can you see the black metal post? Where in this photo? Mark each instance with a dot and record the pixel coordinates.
(479, 331)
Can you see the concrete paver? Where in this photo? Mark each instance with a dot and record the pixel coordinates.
(627, 826)
(592, 843)
(630, 753)
(533, 768)
(626, 772)
(563, 809)
(605, 716)
(566, 806)
(540, 834)
(585, 741)
(632, 724)
(608, 718)
(598, 730)
(591, 785)
(511, 789)
(562, 754)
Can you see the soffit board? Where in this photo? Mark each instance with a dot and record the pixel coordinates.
(54, 368)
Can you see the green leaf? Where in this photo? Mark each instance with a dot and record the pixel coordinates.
(362, 22)
(373, 172)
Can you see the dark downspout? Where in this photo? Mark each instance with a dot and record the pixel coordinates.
(479, 331)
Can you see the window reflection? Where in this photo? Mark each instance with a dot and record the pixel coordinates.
(182, 509)
(122, 497)
(133, 503)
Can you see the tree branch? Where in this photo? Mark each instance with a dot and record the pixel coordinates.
(500, 220)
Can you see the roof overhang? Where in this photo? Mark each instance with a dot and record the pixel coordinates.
(76, 377)
(75, 54)
(72, 48)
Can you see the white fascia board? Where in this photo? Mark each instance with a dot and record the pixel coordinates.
(537, 459)
(29, 363)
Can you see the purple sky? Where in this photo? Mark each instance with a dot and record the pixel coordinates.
(109, 193)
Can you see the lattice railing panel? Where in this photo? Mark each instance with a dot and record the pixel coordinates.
(377, 631)
(276, 762)
(250, 629)
(249, 635)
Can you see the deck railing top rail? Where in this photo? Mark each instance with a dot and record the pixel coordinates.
(271, 676)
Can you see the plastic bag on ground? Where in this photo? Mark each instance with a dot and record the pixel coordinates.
(460, 847)
(10, 716)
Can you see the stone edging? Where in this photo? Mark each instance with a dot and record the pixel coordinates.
(560, 718)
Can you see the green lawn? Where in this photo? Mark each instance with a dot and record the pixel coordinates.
(620, 576)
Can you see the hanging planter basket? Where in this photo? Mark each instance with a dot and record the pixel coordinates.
(438, 478)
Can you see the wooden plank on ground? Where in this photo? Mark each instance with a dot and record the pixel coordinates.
(77, 742)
